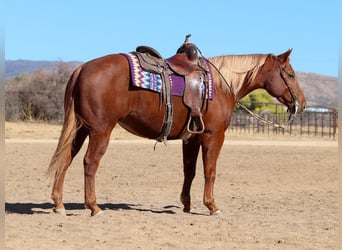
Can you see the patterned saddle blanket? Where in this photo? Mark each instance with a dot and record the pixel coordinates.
(153, 82)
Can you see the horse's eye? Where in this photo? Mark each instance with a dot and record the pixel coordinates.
(290, 75)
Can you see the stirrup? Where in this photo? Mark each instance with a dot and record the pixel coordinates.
(193, 131)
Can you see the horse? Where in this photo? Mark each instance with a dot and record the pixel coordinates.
(99, 95)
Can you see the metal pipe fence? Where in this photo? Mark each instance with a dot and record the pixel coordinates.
(314, 121)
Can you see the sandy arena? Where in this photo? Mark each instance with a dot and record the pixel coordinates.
(275, 193)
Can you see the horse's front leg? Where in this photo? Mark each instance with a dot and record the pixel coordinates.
(211, 147)
(190, 153)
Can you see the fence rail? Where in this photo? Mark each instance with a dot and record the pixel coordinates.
(315, 121)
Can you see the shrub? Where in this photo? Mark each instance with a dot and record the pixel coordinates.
(37, 96)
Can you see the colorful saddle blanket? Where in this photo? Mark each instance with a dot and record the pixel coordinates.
(151, 81)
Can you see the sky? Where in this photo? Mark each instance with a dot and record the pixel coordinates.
(74, 30)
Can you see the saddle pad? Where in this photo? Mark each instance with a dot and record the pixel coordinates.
(151, 81)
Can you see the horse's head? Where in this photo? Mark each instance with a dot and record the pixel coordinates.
(282, 83)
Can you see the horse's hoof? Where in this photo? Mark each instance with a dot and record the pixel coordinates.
(216, 213)
(98, 213)
(191, 211)
(60, 211)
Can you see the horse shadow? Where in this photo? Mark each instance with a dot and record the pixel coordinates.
(46, 208)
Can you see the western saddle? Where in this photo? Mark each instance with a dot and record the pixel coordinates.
(186, 62)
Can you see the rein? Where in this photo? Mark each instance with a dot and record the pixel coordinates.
(258, 117)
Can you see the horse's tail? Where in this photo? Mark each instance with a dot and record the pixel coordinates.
(70, 127)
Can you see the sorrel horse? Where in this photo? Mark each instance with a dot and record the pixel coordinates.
(99, 95)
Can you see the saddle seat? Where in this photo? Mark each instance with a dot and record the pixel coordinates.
(181, 64)
(186, 62)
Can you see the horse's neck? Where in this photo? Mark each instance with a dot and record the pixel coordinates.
(240, 72)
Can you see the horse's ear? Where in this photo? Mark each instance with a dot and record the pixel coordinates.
(285, 56)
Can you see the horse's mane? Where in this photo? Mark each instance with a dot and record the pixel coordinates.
(235, 69)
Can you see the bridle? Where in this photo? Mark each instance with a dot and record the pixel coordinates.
(293, 107)
(294, 104)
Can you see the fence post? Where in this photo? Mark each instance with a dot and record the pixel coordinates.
(335, 122)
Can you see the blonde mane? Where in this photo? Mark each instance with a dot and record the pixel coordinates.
(235, 68)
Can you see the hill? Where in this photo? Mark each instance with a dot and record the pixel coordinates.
(16, 67)
(320, 90)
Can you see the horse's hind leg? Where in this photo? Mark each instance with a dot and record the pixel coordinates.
(98, 143)
(57, 190)
(190, 153)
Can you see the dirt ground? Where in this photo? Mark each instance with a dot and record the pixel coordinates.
(275, 193)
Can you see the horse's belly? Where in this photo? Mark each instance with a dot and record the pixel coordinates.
(149, 124)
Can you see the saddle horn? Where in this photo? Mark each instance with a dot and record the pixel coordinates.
(186, 41)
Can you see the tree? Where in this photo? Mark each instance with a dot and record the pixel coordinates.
(259, 100)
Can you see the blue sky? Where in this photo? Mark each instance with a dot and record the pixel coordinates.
(76, 30)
